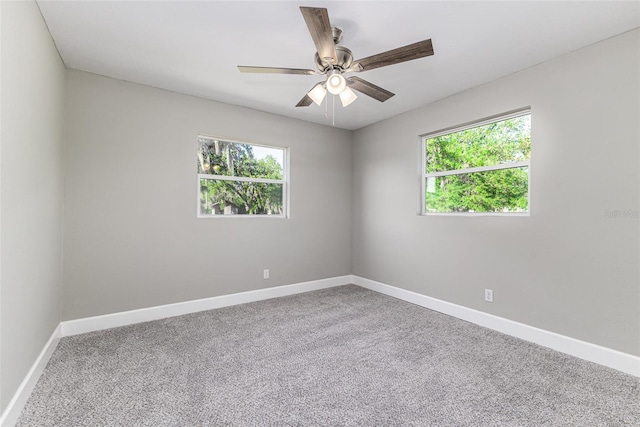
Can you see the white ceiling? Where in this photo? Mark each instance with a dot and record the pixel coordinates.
(194, 47)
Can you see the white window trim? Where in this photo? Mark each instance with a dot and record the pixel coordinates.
(510, 165)
(240, 179)
(284, 182)
(474, 124)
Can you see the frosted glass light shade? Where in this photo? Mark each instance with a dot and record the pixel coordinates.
(317, 93)
(336, 84)
(347, 96)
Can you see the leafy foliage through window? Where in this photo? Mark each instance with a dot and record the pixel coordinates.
(240, 179)
(480, 168)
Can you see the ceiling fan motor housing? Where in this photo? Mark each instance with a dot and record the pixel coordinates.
(345, 59)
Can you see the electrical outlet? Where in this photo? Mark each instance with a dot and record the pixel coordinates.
(488, 295)
(265, 274)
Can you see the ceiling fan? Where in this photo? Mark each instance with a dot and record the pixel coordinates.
(334, 60)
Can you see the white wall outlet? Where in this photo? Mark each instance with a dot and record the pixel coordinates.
(265, 274)
(488, 295)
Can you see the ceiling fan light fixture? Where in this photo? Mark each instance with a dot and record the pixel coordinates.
(317, 93)
(336, 83)
(347, 96)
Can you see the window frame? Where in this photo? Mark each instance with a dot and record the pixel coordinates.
(284, 181)
(500, 166)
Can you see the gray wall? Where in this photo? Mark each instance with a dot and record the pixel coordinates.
(568, 268)
(132, 238)
(30, 191)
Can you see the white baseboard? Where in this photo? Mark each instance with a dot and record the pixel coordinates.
(107, 321)
(618, 360)
(15, 406)
(594, 353)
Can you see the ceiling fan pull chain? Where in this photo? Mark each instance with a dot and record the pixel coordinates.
(333, 110)
(326, 108)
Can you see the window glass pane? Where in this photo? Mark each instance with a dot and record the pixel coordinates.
(495, 143)
(503, 190)
(223, 197)
(218, 157)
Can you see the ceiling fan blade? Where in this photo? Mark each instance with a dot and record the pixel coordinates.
(305, 102)
(317, 20)
(275, 70)
(396, 56)
(376, 92)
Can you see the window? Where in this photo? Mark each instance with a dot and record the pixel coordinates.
(236, 178)
(479, 168)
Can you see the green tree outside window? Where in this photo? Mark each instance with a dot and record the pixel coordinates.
(234, 180)
(501, 150)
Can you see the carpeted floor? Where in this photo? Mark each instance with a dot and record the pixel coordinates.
(343, 356)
